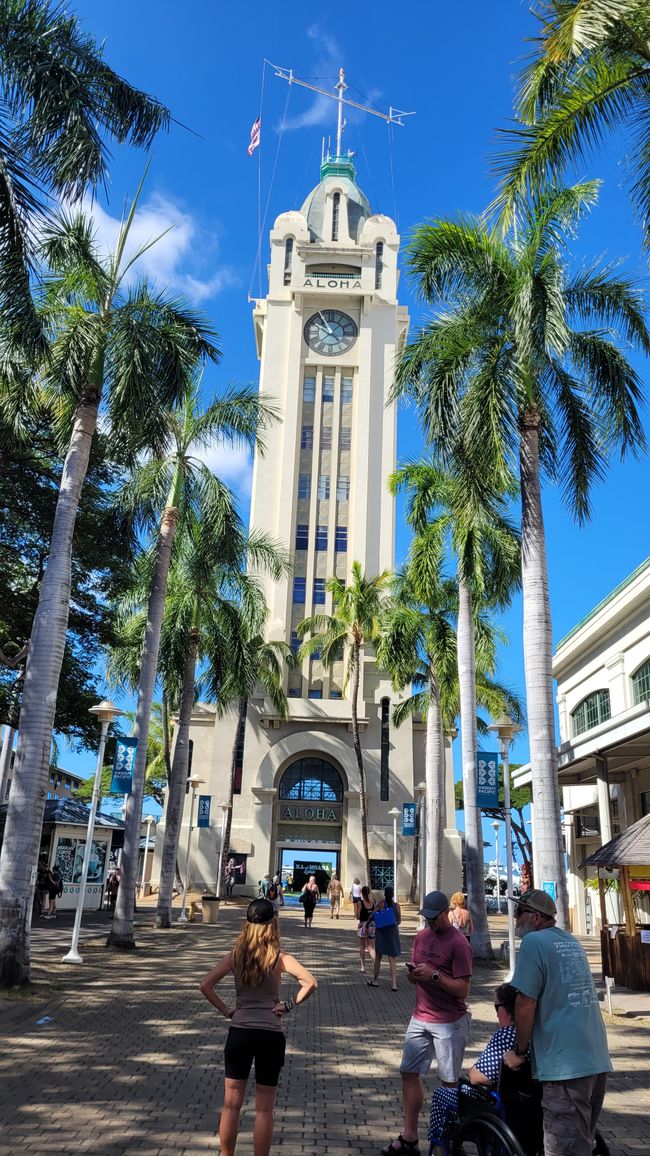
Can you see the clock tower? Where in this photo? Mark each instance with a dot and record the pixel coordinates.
(328, 334)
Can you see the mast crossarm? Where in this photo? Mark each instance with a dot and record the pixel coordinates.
(394, 116)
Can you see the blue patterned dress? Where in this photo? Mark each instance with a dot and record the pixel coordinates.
(444, 1105)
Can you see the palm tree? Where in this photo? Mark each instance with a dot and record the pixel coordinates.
(354, 623)
(137, 350)
(488, 570)
(590, 76)
(525, 359)
(166, 489)
(241, 661)
(58, 99)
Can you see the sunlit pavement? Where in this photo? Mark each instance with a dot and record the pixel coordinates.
(123, 1054)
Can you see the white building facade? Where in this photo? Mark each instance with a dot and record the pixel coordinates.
(327, 335)
(602, 669)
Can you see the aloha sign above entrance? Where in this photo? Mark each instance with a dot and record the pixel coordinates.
(324, 814)
(335, 282)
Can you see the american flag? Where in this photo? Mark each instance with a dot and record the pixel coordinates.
(255, 136)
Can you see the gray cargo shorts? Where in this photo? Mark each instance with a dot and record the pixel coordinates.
(571, 1110)
(447, 1042)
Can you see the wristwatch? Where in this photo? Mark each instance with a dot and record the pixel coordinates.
(435, 976)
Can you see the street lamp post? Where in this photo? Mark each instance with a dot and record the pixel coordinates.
(149, 819)
(420, 794)
(495, 828)
(506, 729)
(395, 812)
(194, 782)
(105, 712)
(225, 807)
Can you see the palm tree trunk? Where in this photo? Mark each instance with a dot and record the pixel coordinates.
(121, 935)
(474, 862)
(241, 722)
(176, 792)
(22, 835)
(356, 740)
(435, 779)
(538, 653)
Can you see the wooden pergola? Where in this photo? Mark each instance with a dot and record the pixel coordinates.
(625, 950)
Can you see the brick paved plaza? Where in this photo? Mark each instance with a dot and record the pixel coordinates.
(128, 1058)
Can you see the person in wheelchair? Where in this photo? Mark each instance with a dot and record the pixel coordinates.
(445, 1116)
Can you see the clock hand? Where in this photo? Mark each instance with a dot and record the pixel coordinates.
(325, 323)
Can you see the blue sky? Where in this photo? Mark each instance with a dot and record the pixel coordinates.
(455, 66)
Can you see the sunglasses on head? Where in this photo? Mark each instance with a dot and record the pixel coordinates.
(522, 910)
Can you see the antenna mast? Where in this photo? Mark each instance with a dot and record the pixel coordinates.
(393, 116)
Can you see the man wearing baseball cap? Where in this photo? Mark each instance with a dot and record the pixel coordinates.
(558, 1013)
(441, 969)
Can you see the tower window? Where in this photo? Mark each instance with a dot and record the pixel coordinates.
(328, 388)
(345, 438)
(306, 437)
(309, 388)
(293, 692)
(346, 389)
(592, 711)
(316, 692)
(324, 487)
(341, 539)
(343, 489)
(385, 748)
(239, 754)
(304, 485)
(379, 263)
(288, 259)
(336, 209)
(336, 694)
(299, 589)
(321, 537)
(302, 537)
(319, 591)
(295, 641)
(641, 683)
(326, 437)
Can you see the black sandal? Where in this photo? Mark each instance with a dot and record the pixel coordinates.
(406, 1146)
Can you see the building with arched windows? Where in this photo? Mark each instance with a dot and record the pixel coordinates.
(327, 333)
(602, 669)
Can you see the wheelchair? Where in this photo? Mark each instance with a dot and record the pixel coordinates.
(506, 1121)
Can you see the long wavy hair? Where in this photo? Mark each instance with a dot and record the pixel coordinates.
(256, 950)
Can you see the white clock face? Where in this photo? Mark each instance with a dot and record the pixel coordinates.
(330, 332)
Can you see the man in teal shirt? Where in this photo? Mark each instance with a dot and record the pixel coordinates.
(557, 1012)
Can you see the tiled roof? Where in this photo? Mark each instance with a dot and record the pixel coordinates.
(73, 813)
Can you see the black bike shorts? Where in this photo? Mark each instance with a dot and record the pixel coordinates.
(244, 1045)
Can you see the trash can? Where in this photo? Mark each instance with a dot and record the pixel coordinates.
(210, 908)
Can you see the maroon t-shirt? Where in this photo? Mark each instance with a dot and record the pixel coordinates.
(447, 951)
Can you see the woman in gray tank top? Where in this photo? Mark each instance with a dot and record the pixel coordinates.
(255, 1034)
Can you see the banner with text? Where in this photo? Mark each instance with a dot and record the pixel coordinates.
(487, 767)
(408, 818)
(203, 816)
(122, 778)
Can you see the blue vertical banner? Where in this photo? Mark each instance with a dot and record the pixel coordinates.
(122, 778)
(487, 780)
(408, 818)
(203, 814)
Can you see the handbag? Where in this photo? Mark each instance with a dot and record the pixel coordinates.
(385, 918)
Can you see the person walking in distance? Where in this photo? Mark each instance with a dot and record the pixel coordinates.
(366, 927)
(557, 1012)
(310, 898)
(459, 916)
(355, 896)
(387, 918)
(335, 895)
(275, 894)
(441, 970)
(54, 883)
(257, 963)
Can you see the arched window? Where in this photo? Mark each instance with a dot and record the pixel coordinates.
(379, 263)
(592, 711)
(311, 779)
(288, 259)
(641, 683)
(385, 748)
(336, 209)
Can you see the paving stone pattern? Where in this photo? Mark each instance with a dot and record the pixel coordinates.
(130, 1058)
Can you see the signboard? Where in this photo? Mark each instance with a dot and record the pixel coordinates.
(645, 935)
(327, 814)
(487, 780)
(550, 887)
(408, 818)
(203, 813)
(122, 779)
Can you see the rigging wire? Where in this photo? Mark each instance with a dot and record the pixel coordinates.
(262, 225)
(259, 186)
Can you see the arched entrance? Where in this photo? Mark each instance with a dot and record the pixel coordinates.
(309, 821)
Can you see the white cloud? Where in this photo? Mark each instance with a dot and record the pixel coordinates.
(233, 464)
(321, 111)
(183, 259)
